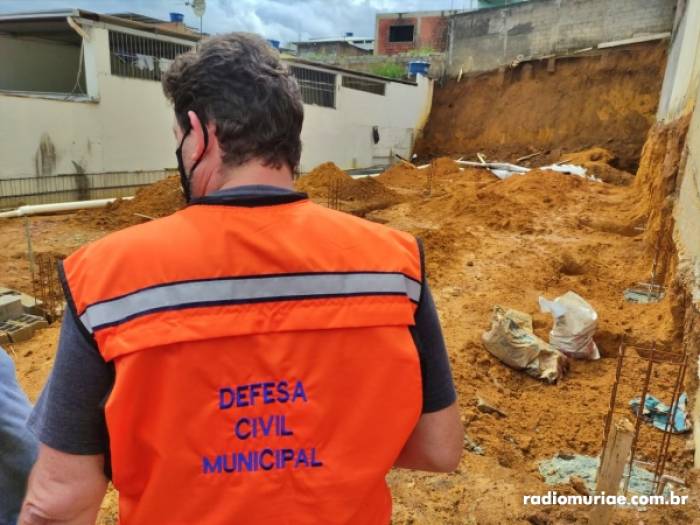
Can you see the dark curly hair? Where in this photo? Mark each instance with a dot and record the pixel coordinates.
(238, 82)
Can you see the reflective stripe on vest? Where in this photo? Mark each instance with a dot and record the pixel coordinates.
(240, 290)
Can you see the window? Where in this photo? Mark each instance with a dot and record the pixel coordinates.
(317, 87)
(140, 57)
(48, 65)
(401, 33)
(363, 84)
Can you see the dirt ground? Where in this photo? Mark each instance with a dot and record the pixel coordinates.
(488, 242)
(491, 242)
(603, 98)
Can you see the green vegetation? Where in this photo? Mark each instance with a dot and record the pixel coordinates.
(389, 69)
(422, 52)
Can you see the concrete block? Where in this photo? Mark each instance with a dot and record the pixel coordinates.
(30, 305)
(23, 327)
(21, 333)
(12, 329)
(10, 306)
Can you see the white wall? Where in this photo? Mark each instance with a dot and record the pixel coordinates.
(126, 125)
(680, 96)
(683, 71)
(71, 129)
(344, 134)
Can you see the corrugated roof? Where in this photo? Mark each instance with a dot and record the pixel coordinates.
(61, 14)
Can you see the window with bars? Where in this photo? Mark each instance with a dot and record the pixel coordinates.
(363, 84)
(141, 57)
(317, 87)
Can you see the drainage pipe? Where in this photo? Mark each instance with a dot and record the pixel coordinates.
(35, 209)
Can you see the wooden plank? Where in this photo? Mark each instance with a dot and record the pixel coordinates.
(616, 454)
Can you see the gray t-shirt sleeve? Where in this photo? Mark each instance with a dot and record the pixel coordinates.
(438, 385)
(69, 415)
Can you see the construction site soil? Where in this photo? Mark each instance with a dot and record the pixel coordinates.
(607, 97)
(488, 242)
(497, 242)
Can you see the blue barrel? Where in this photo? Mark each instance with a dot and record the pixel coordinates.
(418, 67)
(274, 43)
(177, 17)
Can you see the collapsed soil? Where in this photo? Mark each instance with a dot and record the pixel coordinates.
(606, 98)
(488, 242)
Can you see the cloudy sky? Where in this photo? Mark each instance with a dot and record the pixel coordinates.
(284, 20)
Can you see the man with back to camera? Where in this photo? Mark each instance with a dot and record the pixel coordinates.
(254, 358)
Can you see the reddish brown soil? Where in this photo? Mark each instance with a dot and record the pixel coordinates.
(321, 179)
(491, 242)
(357, 196)
(599, 163)
(494, 242)
(150, 202)
(607, 99)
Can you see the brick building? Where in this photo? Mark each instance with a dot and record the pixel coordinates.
(403, 32)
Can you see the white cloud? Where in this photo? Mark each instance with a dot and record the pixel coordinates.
(284, 20)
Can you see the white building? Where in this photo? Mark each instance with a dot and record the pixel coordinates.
(84, 115)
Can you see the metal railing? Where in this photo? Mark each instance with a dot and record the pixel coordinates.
(317, 87)
(141, 57)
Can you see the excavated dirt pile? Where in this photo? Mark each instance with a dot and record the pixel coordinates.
(150, 202)
(490, 242)
(403, 175)
(323, 177)
(507, 242)
(600, 163)
(605, 98)
(441, 174)
(357, 196)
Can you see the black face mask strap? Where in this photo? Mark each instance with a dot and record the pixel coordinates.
(186, 181)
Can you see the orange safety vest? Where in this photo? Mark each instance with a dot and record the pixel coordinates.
(265, 371)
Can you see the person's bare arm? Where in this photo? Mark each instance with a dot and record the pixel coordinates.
(65, 489)
(436, 443)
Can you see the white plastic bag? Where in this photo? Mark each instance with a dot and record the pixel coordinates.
(575, 322)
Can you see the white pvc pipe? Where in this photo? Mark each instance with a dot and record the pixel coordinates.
(495, 165)
(34, 209)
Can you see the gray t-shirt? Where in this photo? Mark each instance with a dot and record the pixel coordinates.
(69, 415)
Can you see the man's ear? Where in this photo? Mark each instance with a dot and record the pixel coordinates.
(198, 144)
